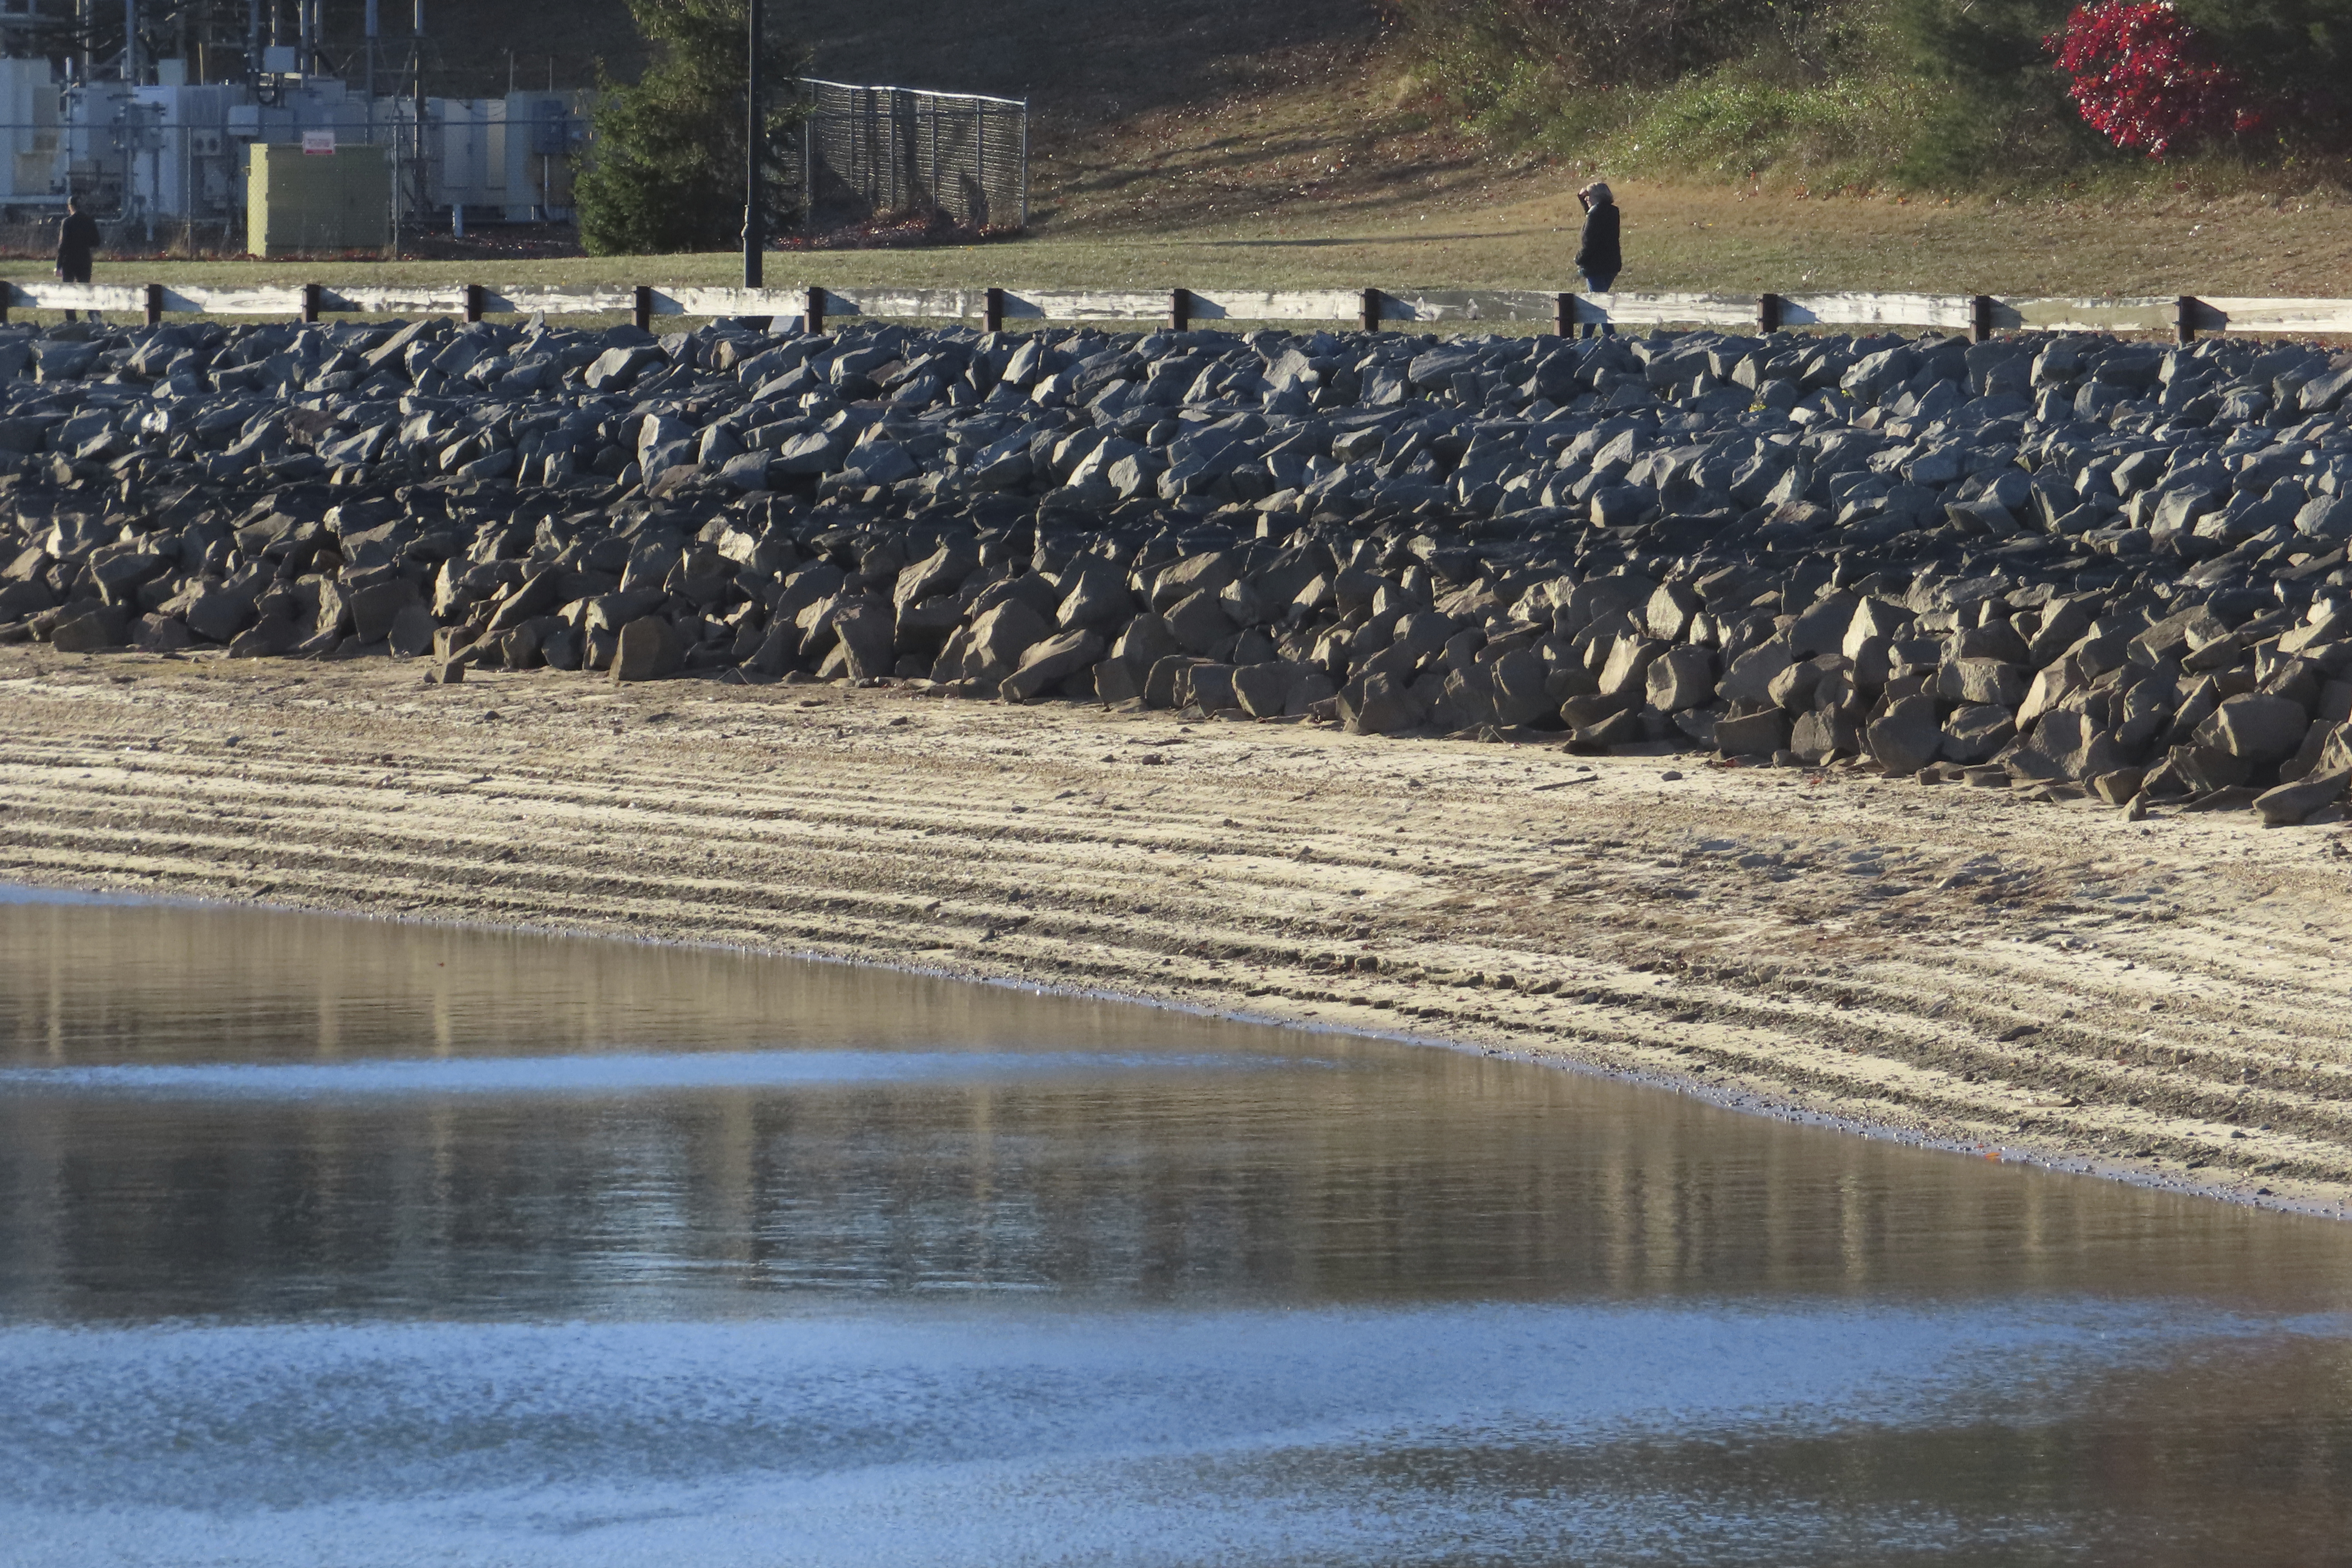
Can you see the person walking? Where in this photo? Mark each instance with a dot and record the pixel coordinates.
(77, 243)
(1597, 255)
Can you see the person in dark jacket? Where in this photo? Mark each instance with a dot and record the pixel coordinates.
(76, 245)
(1597, 256)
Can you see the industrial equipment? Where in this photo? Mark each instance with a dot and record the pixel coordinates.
(171, 141)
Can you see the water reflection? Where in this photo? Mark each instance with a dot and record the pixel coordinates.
(528, 1250)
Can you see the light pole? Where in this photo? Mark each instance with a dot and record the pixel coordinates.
(755, 240)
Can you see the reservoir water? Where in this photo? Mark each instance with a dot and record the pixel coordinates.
(332, 1242)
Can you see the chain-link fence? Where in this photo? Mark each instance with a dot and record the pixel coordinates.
(869, 150)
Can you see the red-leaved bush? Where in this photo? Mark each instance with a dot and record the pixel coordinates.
(2142, 76)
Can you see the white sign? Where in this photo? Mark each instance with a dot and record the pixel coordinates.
(318, 142)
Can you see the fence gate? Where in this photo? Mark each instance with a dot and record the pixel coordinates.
(866, 151)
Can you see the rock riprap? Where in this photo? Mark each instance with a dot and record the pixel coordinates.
(2066, 562)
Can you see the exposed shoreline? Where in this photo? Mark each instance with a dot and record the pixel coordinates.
(1730, 933)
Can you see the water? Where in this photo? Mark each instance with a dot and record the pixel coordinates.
(330, 1242)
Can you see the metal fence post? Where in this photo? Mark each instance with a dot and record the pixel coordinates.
(813, 321)
(473, 301)
(310, 302)
(643, 313)
(991, 311)
(1372, 310)
(154, 304)
(1180, 310)
(1768, 313)
(1981, 319)
(1564, 316)
(2184, 319)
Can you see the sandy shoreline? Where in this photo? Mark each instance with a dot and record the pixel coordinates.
(2162, 1001)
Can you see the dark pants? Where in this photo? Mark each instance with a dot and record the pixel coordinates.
(1598, 283)
(77, 273)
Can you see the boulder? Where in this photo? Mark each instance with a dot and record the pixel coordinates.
(1975, 734)
(1823, 734)
(2292, 803)
(89, 632)
(1379, 705)
(1906, 737)
(1753, 735)
(864, 629)
(1001, 638)
(649, 648)
(1049, 663)
(1680, 677)
(1199, 623)
(1980, 681)
(2255, 726)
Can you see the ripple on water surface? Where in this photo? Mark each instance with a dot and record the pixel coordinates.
(334, 1242)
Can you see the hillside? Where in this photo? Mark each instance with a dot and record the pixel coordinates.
(1081, 62)
(1217, 142)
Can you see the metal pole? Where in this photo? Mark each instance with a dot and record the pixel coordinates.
(131, 41)
(755, 239)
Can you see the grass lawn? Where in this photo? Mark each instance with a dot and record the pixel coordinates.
(1676, 238)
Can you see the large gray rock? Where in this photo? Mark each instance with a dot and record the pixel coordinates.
(617, 369)
(1379, 705)
(1001, 638)
(1199, 623)
(1278, 687)
(1906, 737)
(1980, 681)
(863, 630)
(1975, 734)
(219, 610)
(374, 608)
(805, 456)
(1680, 678)
(2294, 802)
(1050, 663)
(1626, 673)
(649, 648)
(410, 636)
(1204, 573)
(1753, 735)
(1823, 734)
(1751, 676)
(2077, 745)
(89, 632)
(2258, 728)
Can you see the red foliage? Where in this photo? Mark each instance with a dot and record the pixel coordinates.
(2142, 76)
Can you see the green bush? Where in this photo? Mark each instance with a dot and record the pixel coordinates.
(2001, 113)
(2295, 56)
(664, 171)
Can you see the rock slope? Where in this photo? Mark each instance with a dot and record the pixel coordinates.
(2067, 563)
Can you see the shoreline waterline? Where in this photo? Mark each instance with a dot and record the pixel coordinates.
(2064, 1163)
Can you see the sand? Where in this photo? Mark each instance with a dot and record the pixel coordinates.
(2159, 1001)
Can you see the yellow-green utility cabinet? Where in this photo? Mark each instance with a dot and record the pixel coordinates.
(297, 201)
